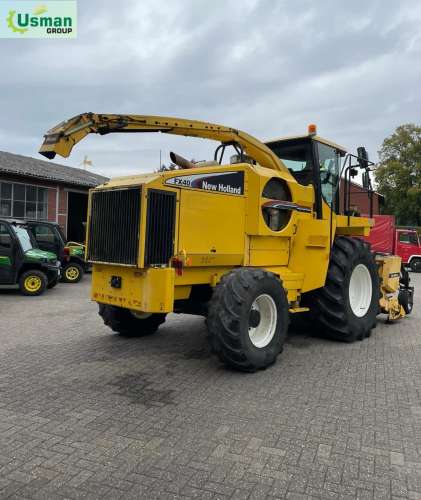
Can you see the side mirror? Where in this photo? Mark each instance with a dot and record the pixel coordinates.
(362, 157)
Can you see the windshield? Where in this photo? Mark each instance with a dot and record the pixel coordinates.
(329, 162)
(295, 155)
(23, 237)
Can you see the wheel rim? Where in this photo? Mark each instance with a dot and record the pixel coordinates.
(72, 273)
(360, 290)
(262, 320)
(140, 315)
(32, 284)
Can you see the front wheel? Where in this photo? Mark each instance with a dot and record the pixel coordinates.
(72, 272)
(346, 307)
(415, 265)
(33, 282)
(128, 323)
(248, 319)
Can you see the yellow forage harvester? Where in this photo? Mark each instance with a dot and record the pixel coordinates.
(249, 238)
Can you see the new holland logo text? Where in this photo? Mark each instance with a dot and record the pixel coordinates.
(218, 182)
(27, 19)
(222, 188)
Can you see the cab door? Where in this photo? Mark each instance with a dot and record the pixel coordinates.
(407, 245)
(46, 237)
(7, 257)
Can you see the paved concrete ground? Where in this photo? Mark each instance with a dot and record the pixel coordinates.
(85, 413)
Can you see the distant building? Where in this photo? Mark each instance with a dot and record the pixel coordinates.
(41, 190)
(359, 200)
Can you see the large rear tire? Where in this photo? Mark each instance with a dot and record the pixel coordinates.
(123, 321)
(346, 307)
(248, 319)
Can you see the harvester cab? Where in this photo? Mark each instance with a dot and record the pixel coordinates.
(247, 243)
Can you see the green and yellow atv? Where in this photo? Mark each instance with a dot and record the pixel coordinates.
(24, 265)
(49, 236)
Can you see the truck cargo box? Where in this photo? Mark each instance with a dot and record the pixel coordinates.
(382, 235)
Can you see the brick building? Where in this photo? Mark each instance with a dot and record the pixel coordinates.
(37, 189)
(359, 200)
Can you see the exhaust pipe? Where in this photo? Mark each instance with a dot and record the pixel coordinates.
(180, 161)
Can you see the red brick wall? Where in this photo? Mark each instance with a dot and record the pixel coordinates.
(359, 199)
(53, 215)
(62, 210)
(52, 205)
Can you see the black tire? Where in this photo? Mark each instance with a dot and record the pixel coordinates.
(406, 299)
(330, 306)
(38, 279)
(415, 265)
(52, 283)
(72, 273)
(230, 316)
(122, 321)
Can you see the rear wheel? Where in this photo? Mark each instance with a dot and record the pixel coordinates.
(346, 307)
(33, 282)
(416, 265)
(128, 323)
(248, 319)
(72, 272)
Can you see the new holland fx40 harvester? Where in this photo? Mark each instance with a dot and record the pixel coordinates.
(249, 243)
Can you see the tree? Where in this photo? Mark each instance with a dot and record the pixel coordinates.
(398, 175)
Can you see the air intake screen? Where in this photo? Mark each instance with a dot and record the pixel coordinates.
(114, 226)
(160, 227)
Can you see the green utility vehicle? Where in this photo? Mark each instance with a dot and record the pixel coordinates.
(23, 264)
(50, 237)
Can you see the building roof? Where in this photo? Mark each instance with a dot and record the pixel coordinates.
(27, 166)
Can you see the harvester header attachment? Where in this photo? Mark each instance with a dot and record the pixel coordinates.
(62, 138)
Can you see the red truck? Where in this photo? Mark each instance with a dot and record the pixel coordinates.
(386, 238)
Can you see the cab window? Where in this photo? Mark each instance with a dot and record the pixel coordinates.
(408, 238)
(329, 167)
(44, 234)
(297, 157)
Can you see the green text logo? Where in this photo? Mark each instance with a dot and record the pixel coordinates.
(27, 19)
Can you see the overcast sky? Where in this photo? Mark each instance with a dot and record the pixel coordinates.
(268, 67)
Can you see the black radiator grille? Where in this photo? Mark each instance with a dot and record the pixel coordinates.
(160, 225)
(114, 226)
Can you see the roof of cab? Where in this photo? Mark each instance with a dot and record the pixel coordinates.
(314, 137)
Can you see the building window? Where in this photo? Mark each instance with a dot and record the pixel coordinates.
(21, 201)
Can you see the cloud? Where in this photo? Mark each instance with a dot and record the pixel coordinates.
(268, 67)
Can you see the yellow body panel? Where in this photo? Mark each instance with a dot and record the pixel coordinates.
(148, 290)
(207, 220)
(268, 251)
